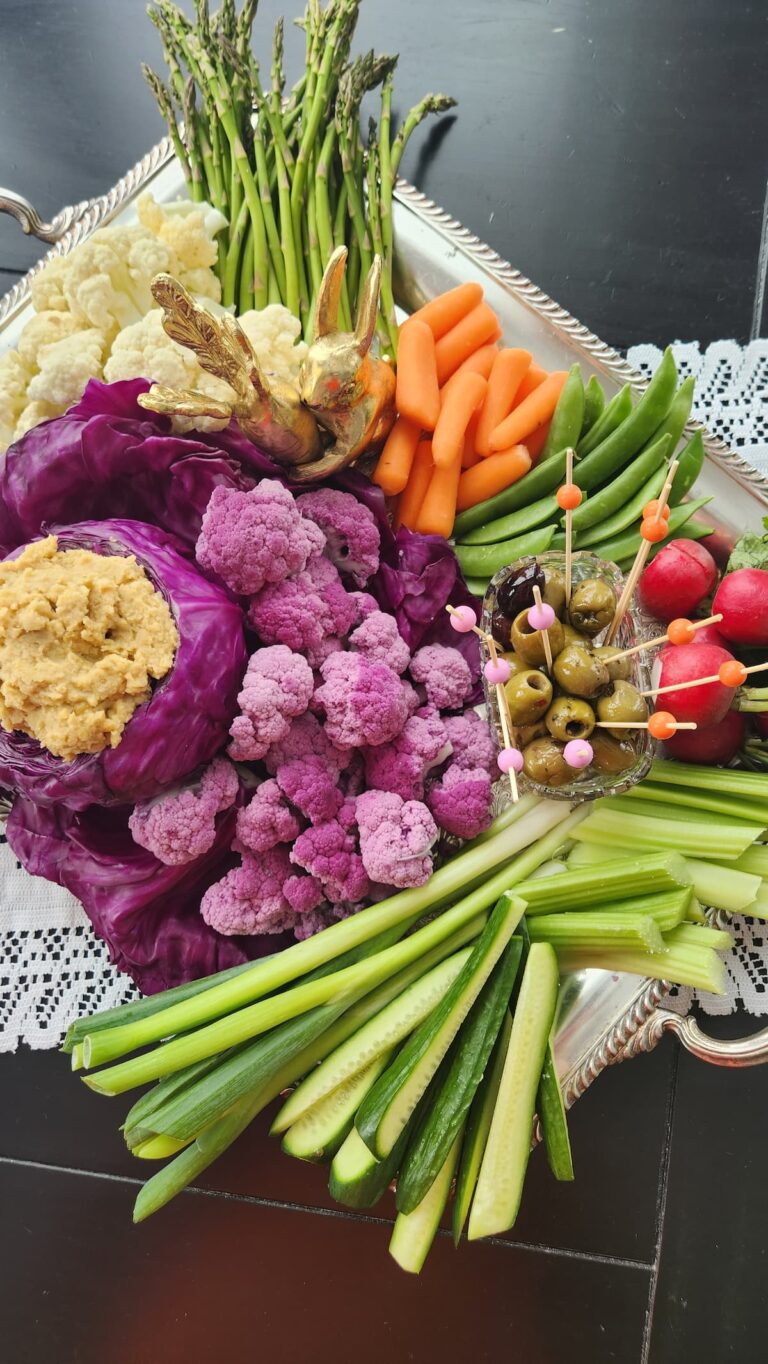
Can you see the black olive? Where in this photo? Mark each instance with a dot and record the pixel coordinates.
(516, 592)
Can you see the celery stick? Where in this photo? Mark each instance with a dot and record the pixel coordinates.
(587, 887)
(405, 907)
(600, 930)
(758, 908)
(723, 887)
(737, 807)
(754, 860)
(657, 809)
(694, 913)
(699, 967)
(607, 826)
(729, 780)
(699, 935)
(267, 1013)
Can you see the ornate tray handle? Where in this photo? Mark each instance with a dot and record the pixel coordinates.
(29, 219)
(741, 1051)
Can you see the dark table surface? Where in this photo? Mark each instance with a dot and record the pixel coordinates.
(615, 151)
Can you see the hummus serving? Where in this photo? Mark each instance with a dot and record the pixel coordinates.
(81, 637)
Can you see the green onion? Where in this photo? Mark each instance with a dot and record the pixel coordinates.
(598, 929)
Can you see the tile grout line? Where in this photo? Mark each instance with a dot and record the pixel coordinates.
(536, 1248)
(761, 276)
(661, 1211)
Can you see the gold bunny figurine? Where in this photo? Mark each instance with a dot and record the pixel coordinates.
(351, 393)
(268, 409)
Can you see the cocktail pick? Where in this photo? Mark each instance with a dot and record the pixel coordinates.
(541, 617)
(730, 674)
(652, 529)
(680, 631)
(662, 724)
(578, 753)
(569, 497)
(497, 672)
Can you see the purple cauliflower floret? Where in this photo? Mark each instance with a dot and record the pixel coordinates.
(310, 784)
(462, 801)
(310, 923)
(329, 852)
(306, 736)
(351, 535)
(396, 837)
(471, 742)
(277, 687)
(250, 898)
(310, 611)
(181, 826)
(444, 673)
(364, 703)
(379, 640)
(252, 538)
(402, 765)
(303, 893)
(365, 604)
(265, 821)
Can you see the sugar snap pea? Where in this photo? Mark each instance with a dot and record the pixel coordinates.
(631, 511)
(689, 467)
(616, 411)
(565, 427)
(612, 498)
(505, 527)
(648, 413)
(542, 479)
(626, 546)
(678, 414)
(477, 586)
(594, 403)
(479, 561)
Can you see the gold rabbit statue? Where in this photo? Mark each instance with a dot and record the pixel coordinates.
(344, 393)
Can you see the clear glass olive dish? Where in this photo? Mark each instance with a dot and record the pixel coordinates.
(637, 749)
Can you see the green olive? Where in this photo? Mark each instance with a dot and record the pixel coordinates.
(579, 673)
(543, 762)
(609, 756)
(621, 671)
(592, 607)
(570, 718)
(554, 591)
(529, 643)
(525, 734)
(573, 637)
(529, 695)
(516, 663)
(623, 702)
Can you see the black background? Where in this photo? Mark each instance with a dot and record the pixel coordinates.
(616, 152)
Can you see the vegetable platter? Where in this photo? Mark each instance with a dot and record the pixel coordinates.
(471, 955)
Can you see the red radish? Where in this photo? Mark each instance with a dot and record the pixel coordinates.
(675, 581)
(684, 663)
(743, 599)
(715, 744)
(719, 544)
(710, 634)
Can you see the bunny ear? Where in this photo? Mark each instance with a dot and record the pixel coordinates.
(329, 294)
(369, 307)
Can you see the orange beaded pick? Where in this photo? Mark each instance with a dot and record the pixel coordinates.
(569, 497)
(654, 529)
(732, 673)
(681, 631)
(651, 509)
(662, 725)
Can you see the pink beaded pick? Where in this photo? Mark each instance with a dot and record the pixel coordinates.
(510, 760)
(463, 619)
(497, 671)
(578, 753)
(541, 617)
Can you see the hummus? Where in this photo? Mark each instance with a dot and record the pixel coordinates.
(82, 635)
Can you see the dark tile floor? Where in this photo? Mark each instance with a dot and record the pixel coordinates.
(615, 152)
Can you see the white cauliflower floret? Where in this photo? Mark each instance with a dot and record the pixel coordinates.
(33, 415)
(14, 377)
(47, 286)
(44, 329)
(143, 351)
(109, 277)
(65, 368)
(273, 332)
(189, 229)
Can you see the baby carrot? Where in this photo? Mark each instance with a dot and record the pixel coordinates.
(417, 395)
(533, 377)
(509, 367)
(530, 413)
(470, 455)
(412, 496)
(443, 312)
(479, 362)
(458, 405)
(535, 443)
(491, 476)
(394, 466)
(438, 510)
(472, 331)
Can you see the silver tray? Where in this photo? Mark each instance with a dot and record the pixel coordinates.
(603, 1017)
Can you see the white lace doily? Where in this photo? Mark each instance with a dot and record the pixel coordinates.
(52, 965)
